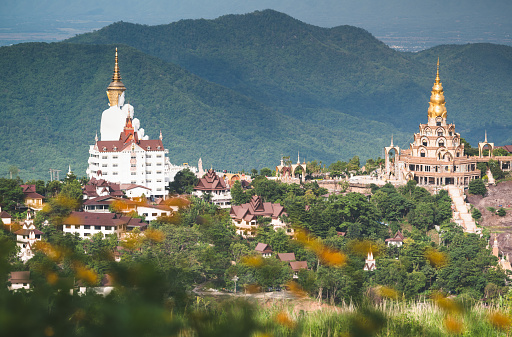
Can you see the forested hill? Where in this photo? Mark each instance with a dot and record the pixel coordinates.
(313, 73)
(53, 95)
(241, 90)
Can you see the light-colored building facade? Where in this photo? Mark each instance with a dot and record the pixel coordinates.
(212, 183)
(125, 154)
(87, 224)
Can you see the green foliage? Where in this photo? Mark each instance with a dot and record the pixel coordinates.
(476, 214)
(501, 212)
(11, 194)
(183, 183)
(477, 187)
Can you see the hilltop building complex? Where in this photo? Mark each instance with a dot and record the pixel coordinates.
(436, 157)
(125, 155)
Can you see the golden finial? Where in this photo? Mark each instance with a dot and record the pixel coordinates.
(438, 79)
(116, 87)
(437, 103)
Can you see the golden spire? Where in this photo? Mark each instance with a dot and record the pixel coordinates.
(116, 87)
(437, 103)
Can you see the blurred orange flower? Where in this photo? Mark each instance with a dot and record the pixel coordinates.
(296, 289)
(387, 292)
(284, 319)
(436, 258)
(453, 325)
(500, 321)
(154, 235)
(253, 261)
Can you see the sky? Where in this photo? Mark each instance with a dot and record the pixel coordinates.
(410, 25)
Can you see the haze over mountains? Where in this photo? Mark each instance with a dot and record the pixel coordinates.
(409, 25)
(241, 90)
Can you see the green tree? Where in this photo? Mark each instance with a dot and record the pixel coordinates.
(183, 183)
(266, 172)
(238, 195)
(477, 187)
(502, 212)
(11, 194)
(422, 217)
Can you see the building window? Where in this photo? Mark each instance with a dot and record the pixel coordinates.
(114, 165)
(105, 173)
(425, 143)
(148, 164)
(133, 182)
(154, 214)
(104, 165)
(422, 154)
(87, 234)
(158, 164)
(148, 156)
(148, 181)
(103, 157)
(115, 157)
(108, 228)
(441, 143)
(148, 172)
(114, 173)
(87, 227)
(134, 173)
(158, 172)
(98, 228)
(159, 156)
(67, 226)
(440, 133)
(159, 189)
(438, 123)
(133, 165)
(145, 214)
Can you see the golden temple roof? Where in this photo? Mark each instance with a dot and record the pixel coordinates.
(437, 103)
(116, 87)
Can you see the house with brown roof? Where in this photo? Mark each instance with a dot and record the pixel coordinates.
(149, 211)
(25, 239)
(101, 187)
(87, 224)
(19, 280)
(263, 249)
(33, 200)
(244, 216)
(397, 240)
(286, 257)
(5, 217)
(297, 266)
(212, 183)
(104, 288)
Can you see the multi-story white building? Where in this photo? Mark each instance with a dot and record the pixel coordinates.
(87, 224)
(124, 154)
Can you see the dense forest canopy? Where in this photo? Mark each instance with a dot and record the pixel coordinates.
(241, 90)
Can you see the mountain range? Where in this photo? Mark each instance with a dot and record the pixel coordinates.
(242, 90)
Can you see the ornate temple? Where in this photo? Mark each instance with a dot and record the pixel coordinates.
(436, 157)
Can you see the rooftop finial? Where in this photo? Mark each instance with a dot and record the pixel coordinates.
(438, 79)
(485, 141)
(116, 87)
(391, 140)
(437, 103)
(161, 137)
(298, 158)
(96, 137)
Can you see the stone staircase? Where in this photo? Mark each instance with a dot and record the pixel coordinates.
(461, 210)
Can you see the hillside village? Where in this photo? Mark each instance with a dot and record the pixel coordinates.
(408, 222)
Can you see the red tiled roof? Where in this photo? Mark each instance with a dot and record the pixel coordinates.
(298, 265)
(211, 182)
(5, 215)
(19, 277)
(286, 257)
(119, 145)
(399, 237)
(263, 248)
(505, 147)
(102, 219)
(125, 187)
(27, 231)
(30, 192)
(256, 207)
